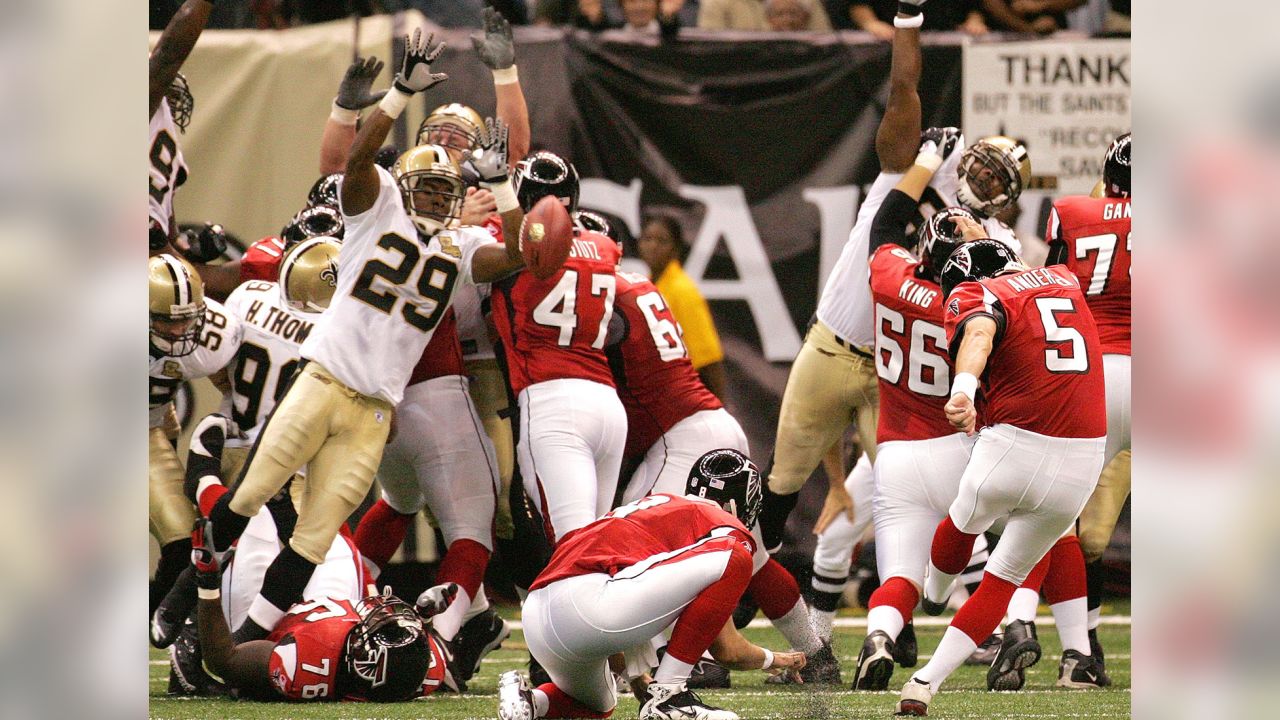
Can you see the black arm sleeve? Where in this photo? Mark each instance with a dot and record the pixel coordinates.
(996, 314)
(891, 220)
(1057, 254)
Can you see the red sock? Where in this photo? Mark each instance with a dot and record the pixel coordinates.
(210, 496)
(464, 563)
(898, 594)
(703, 618)
(380, 533)
(983, 611)
(951, 548)
(562, 705)
(1036, 577)
(1066, 578)
(774, 590)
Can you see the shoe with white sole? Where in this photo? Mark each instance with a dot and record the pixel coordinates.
(674, 701)
(916, 696)
(515, 698)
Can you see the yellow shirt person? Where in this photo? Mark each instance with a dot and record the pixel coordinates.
(661, 246)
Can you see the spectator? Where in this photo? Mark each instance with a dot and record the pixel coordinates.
(750, 15)
(786, 15)
(876, 16)
(1029, 16)
(662, 247)
(651, 17)
(583, 14)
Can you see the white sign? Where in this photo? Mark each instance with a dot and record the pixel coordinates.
(1066, 99)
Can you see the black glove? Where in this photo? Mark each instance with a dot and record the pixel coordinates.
(496, 47)
(910, 7)
(206, 245)
(415, 71)
(435, 600)
(941, 141)
(354, 92)
(158, 238)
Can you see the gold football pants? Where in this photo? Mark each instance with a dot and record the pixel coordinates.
(1098, 519)
(829, 387)
(489, 393)
(170, 513)
(334, 430)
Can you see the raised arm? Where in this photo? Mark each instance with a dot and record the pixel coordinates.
(899, 130)
(489, 158)
(175, 44)
(360, 184)
(497, 50)
(355, 93)
(900, 205)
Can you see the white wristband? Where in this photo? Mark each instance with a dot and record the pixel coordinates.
(929, 161)
(906, 23)
(343, 116)
(394, 103)
(768, 659)
(208, 593)
(504, 194)
(506, 76)
(965, 384)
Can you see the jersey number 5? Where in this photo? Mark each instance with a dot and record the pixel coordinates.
(435, 282)
(1058, 336)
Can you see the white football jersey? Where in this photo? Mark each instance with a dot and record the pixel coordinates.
(393, 289)
(219, 340)
(269, 352)
(473, 330)
(845, 305)
(167, 169)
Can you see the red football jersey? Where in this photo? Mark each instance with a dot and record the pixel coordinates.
(647, 529)
(309, 642)
(656, 380)
(555, 328)
(1096, 233)
(443, 354)
(262, 260)
(912, 363)
(1045, 371)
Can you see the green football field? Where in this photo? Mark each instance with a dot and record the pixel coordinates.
(963, 696)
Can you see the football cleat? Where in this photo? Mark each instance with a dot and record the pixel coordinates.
(907, 653)
(174, 609)
(1019, 650)
(986, 652)
(745, 612)
(822, 667)
(916, 696)
(187, 674)
(537, 674)
(709, 675)
(1095, 650)
(1079, 671)
(875, 662)
(674, 701)
(478, 637)
(515, 698)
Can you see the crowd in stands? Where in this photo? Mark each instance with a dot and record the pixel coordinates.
(666, 17)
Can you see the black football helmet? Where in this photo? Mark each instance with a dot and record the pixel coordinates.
(938, 237)
(729, 478)
(1117, 166)
(387, 654)
(316, 221)
(596, 223)
(181, 101)
(545, 173)
(325, 191)
(976, 260)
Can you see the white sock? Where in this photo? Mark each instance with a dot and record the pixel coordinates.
(886, 618)
(822, 621)
(266, 615)
(1095, 618)
(479, 604)
(937, 584)
(671, 670)
(541, 703)
(795, 627)
(1023, 605)
(1071, 617)
(954, 649)
(450, 621)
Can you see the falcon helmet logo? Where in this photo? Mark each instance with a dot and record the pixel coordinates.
(373, 667)
(954, 306)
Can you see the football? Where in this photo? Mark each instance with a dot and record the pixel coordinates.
(546, 234)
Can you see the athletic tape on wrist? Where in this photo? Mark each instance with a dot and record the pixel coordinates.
(506, 76)
(965, 384)
(768, 659)
(394, 103)
(343, 116)
(208, 593)
(504, 194)
(906, 23)
(929, 161)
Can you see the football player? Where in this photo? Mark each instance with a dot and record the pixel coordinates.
(336, 415)
(1091, 236)
(170, 111)
(190, 337)
(672, 421)
(572, 425)
(833, 378)
(1030, 336)
(617, 582)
